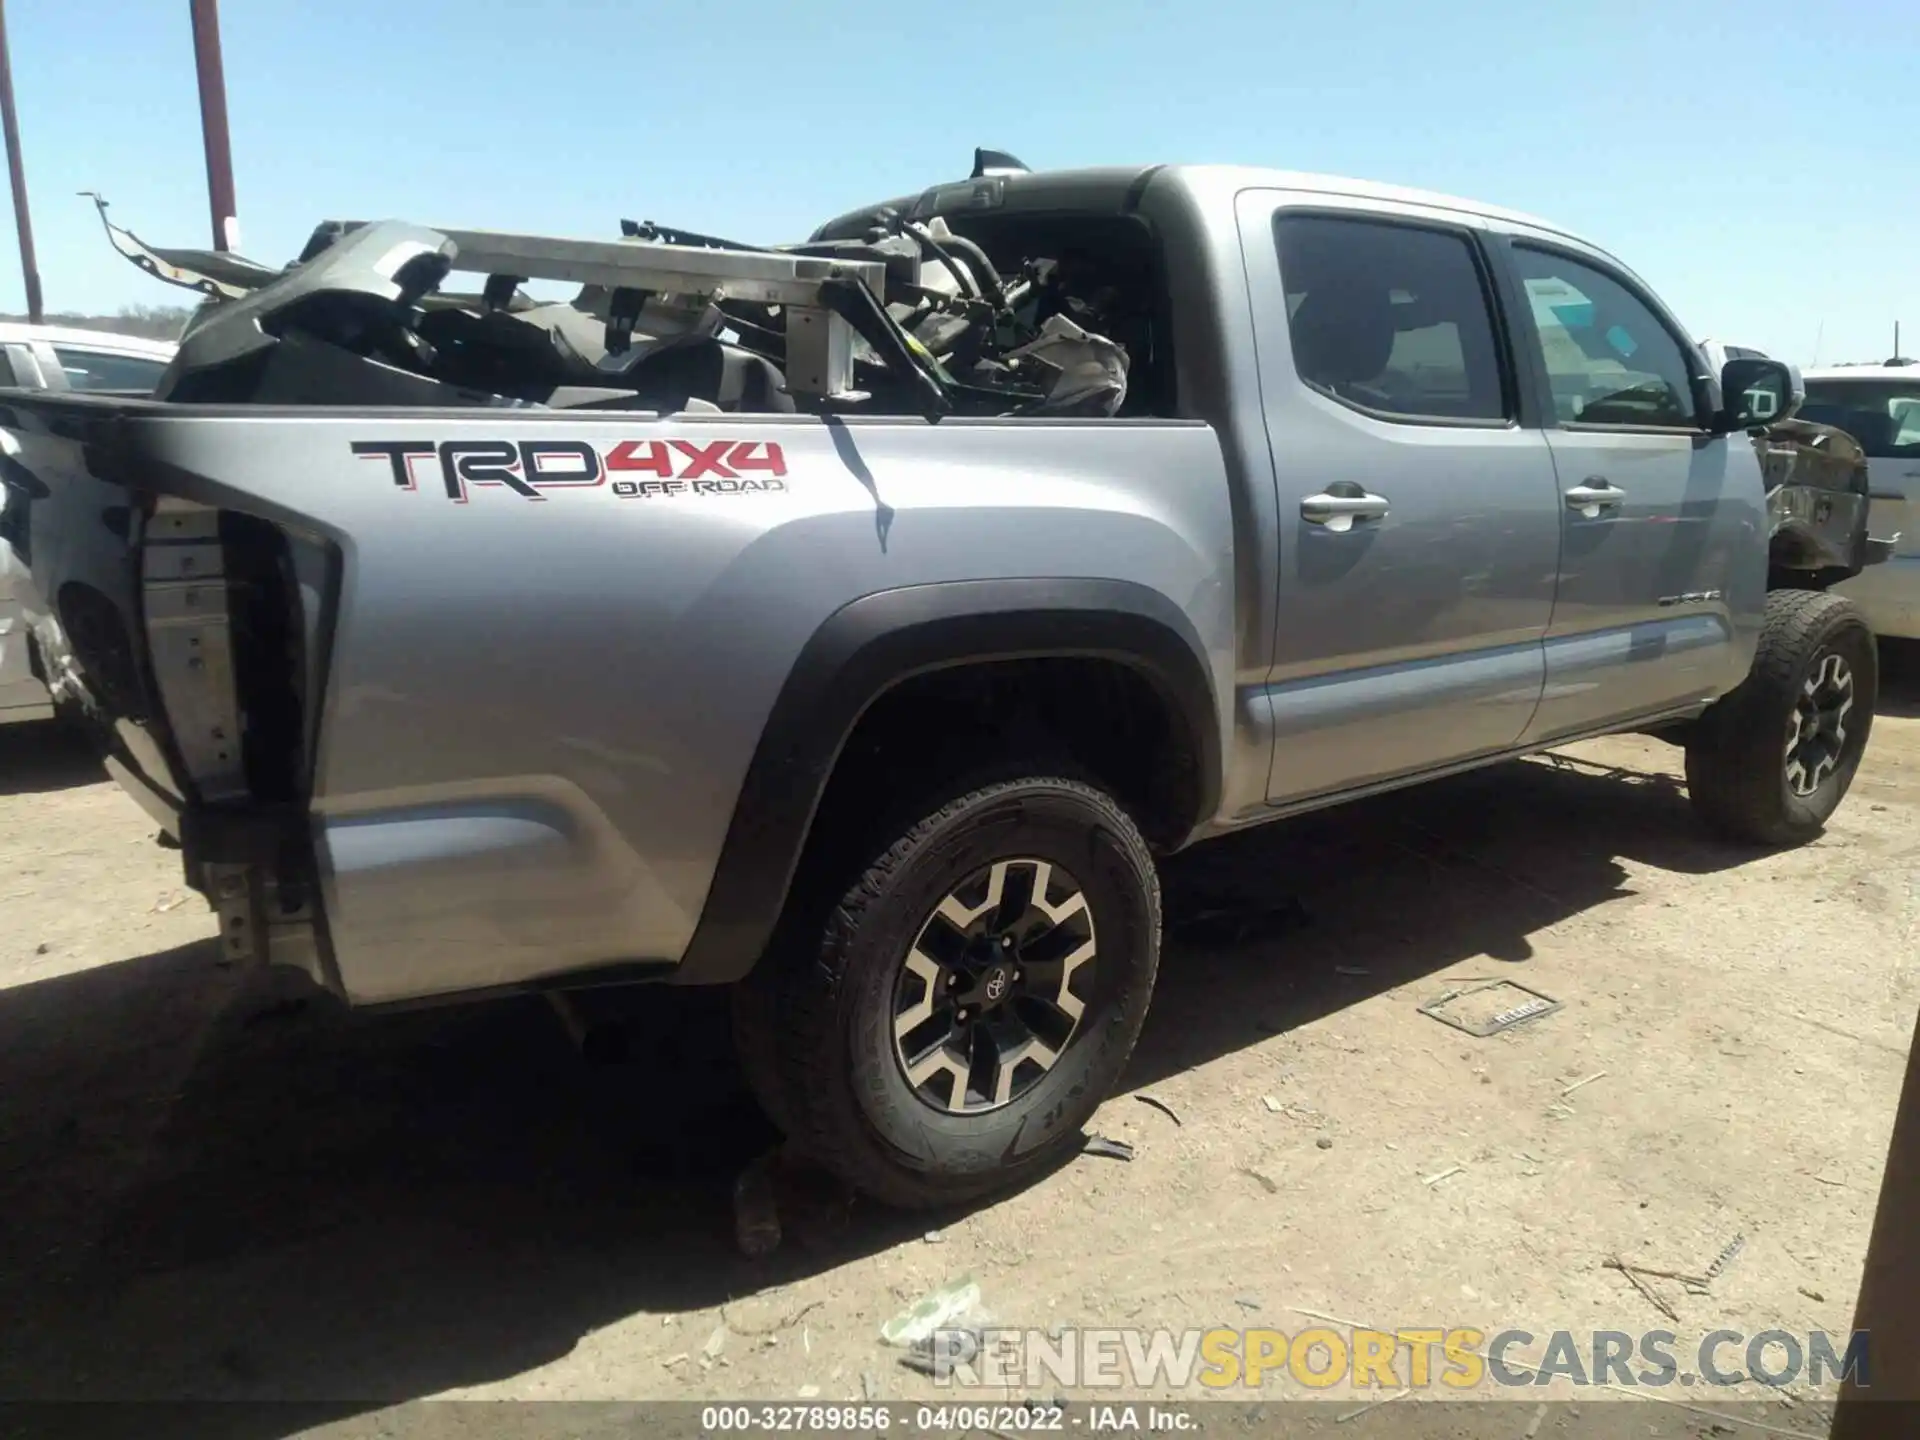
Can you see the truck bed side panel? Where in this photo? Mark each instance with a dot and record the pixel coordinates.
(550, 666)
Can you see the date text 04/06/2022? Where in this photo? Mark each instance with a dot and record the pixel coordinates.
(1029, 1418)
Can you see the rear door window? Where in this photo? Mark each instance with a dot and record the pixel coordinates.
(1393, 319)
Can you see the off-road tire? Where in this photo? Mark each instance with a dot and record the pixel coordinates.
(815, 1022)
(1738, 752)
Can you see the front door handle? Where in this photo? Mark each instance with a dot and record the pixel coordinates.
(1596, 495)
(1338, 511)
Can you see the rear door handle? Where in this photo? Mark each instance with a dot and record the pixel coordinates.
(1339, 512)
(1596, 495)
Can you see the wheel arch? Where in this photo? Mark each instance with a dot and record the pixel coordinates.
(876, 644)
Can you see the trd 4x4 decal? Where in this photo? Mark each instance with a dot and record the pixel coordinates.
(632, 469)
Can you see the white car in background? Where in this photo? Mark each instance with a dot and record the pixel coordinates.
(53, 357)
(1879, 406)
(62, 360)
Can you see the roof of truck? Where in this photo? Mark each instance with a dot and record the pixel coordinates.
(1248, 177)
(1094, 184)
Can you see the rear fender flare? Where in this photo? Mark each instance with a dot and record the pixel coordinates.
(874, 643)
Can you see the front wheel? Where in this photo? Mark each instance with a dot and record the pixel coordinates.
(974, 997)
(1770, 762)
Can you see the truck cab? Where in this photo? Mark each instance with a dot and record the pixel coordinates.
(1492, 496)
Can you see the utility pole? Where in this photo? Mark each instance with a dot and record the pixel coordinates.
(213, 122)
(16, 172)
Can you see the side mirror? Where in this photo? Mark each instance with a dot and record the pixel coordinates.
(1757, 393)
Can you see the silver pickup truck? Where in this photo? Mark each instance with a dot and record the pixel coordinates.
(854, 623)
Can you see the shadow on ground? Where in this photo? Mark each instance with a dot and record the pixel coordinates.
(216, 1185)
(37, 756)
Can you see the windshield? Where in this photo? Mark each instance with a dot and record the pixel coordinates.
(1883, 415)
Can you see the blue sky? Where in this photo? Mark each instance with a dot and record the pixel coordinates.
(1754, 161)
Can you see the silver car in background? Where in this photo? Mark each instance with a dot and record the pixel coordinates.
(60, 360)
(1879, 405)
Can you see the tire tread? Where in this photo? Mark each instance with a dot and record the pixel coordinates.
(790, 1024)
(1733, 759)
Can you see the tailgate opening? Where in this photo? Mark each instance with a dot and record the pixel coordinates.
(230, 605)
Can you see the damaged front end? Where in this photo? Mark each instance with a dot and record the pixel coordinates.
(1818, 506)
(907, 318)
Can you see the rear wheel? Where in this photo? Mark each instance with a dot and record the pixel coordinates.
(971, 999)
(1771, 761)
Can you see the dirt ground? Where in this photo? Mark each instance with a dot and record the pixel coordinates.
(217, 1185)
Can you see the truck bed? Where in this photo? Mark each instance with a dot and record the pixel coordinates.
(438, 701)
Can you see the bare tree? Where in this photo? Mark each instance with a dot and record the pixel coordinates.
(155, 322)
